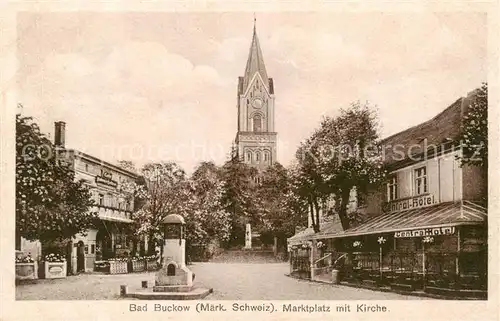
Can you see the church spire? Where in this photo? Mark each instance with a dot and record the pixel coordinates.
(255, 62)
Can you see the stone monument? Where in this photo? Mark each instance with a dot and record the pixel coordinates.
(174, 280)
(248, 236)
(174, 272)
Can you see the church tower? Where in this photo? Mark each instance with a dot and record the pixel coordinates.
(256, 138)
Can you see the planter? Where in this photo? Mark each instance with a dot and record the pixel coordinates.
(117, 267)
(151, 265)
(138, 266)
(26, 271)
(55, 270)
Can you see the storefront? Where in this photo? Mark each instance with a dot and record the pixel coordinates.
(441, 249)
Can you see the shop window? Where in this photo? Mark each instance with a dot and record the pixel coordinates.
(392, 188)
(420, 180)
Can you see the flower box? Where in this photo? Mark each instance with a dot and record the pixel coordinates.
(151, 265)
(138, 265)
(27, 271)
(118, 267)
(55, 270)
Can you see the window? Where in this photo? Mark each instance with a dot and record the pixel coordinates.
(86, 167)
(257, 123)
(92, 249)
(101, 199)
(420, 181)
(257, 157)
(266, 157)
(392, 188)
(248, 157)
(361, 197)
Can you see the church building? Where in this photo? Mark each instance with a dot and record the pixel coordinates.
(256, 136)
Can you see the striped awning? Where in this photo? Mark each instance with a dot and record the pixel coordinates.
(441, 215)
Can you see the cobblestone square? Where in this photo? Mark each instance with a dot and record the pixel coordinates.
(238, 281)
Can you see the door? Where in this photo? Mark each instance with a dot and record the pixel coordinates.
(80, 257)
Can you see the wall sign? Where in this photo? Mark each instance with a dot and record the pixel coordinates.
(450, 230)
(106, 181)
(411, 203)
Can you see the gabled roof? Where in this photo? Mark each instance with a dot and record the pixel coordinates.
(255, 63)
(443, 128)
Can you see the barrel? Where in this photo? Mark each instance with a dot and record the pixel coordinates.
(335, 277)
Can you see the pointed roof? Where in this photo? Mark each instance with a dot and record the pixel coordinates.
(255, 62)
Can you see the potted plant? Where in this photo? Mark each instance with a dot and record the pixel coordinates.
(26, 267)
(151, 262)
(55, 266)
(138, 264)
(118, 265)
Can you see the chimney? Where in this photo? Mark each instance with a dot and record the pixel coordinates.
(60, 133)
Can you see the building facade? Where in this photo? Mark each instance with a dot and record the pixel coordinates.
(256, 139)
(113, 203)
(425, 229)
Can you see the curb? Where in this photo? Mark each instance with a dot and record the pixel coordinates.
(377, 289)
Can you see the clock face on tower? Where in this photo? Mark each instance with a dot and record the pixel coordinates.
(257, 103)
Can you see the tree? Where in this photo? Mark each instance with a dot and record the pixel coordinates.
(164, 192)
(127, 165)
(238, 197)
(341, 154)
(206, 220)
(474, 133)
(281, 206)
(50, 204)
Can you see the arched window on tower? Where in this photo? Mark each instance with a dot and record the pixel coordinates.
(257, 123)
(248, 157)
(257, 157)
(266, 157)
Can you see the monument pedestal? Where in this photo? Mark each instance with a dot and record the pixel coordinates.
(174, 281)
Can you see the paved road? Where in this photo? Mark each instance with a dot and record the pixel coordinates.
(229, 281)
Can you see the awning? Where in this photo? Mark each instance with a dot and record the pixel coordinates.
(441, 215)
(301, 236)
(331, 227)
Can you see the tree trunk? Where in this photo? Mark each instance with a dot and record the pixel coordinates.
(151, 243)
(134, 247)
(316, 208)
(311, 213)
(344, 200)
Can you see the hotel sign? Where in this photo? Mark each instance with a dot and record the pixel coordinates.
(106, 179)
(426, 232)
(411, 203)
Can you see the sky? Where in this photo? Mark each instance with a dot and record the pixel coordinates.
(162, 86)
